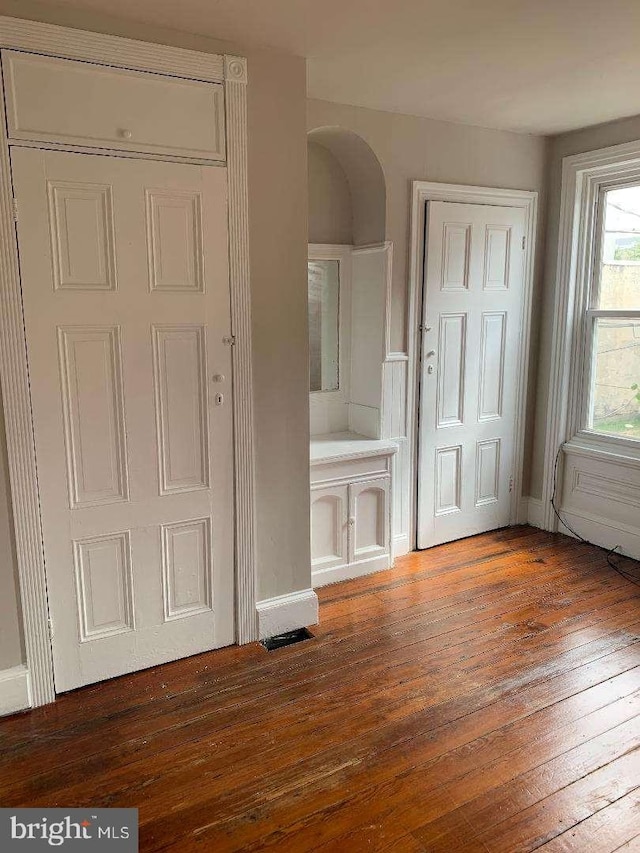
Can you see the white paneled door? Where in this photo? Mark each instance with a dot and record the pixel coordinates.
(126, 296)
(472, 306)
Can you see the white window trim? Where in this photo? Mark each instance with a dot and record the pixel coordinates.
(584, 178)
(342, 254)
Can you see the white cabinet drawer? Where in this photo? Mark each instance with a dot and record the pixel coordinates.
(372, 466)
(79, 103)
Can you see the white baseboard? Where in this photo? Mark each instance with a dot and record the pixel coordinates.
(15, 690)
(350, 571)
(401, 545)
(535, 512)
(603, 532)
(287, 612)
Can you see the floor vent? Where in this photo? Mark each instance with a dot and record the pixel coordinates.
(288, 639)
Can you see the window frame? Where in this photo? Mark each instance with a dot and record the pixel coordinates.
(593, 313)
(583, 177)
(584, 363)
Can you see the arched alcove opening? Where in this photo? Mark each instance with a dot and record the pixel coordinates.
(346, 181)
(349, 270)
(330, 207)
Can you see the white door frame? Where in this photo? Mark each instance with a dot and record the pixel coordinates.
(422, 192)
(140, 56)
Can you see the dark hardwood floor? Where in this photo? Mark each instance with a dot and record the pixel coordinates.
(480, 696)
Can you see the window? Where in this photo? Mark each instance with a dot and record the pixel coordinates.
(593, 409)
(613, 318)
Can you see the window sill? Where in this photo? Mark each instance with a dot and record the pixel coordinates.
(605, 448)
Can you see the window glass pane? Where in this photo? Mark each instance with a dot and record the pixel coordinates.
(324, 324)
(620, 271)
(616, 377)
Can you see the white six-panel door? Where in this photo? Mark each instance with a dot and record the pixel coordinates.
(472, 305)
(126, 298)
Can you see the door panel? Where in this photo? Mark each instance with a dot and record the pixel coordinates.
(81, 219)
(182, 418)
(452, 342)
(93, 414)
(329, 538)
(369, 519)
(472, 305)
(105, 585)
(126, 298)
(448, 480)
(491, 375)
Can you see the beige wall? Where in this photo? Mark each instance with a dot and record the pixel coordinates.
(411, 148)
(577, 142)
(278, 234)
(330, 209)
(365, 179)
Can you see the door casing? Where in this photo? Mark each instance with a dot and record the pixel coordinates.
(422, 192)
(119, 52)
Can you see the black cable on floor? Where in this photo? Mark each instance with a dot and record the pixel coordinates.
(616, 567)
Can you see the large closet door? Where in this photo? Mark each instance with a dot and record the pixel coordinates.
(126, 297)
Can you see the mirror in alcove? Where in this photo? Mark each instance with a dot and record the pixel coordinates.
(324, 325)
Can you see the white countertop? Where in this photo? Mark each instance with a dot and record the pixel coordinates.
(348, 445)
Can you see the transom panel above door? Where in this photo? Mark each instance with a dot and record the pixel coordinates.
(50, 99)
(124, 268)
(471, 329)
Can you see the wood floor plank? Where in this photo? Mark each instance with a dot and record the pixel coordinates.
(323, 769)
(395, 704)
(576, 802)
(406, 844)
(81, 734)
(503, 790)
(259, 669)
(611, 829)
(631, 846)
(483, 695)
(478, 766)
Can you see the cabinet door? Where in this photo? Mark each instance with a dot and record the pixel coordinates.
(329, 516)
(369, 519)
(81, 103)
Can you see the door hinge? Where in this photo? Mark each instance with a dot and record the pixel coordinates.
(230, 341)
(524, 243)
(50, 624)
(511, 483)
(15, 210)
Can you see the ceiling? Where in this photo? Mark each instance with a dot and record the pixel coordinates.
(538, 66)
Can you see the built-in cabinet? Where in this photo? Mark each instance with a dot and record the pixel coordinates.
(356, 409)
(351, 501)
(60, 101)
